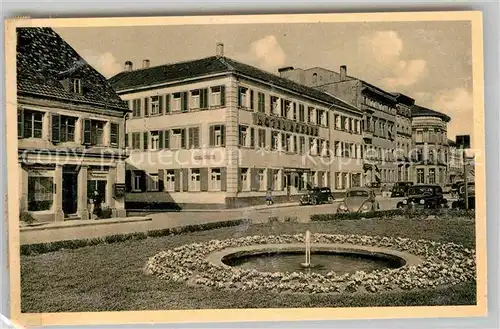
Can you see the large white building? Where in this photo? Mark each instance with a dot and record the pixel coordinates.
(70, 131)
(215, 132)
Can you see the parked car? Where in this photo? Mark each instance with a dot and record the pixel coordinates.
(471, 196)
(317, 195)
(447, 188)
(428, 196)
(359, 199)
(400, 189)
(454, 188)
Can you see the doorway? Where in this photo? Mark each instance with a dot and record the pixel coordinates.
(69, 193)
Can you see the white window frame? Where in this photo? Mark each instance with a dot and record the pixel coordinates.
(154, 137)
(262, 179)
(136, 182)
(154, 185)
(194, 103)
(175, 139)
(195, 179)
(77, 86)
(155, 105)
(243, 136)
(217, 136)
(215, 96)
(244, 179)
(176, 102)
(215, 179)
(170, 181)
(276, 180)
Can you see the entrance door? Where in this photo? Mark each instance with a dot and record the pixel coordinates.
(70, 193)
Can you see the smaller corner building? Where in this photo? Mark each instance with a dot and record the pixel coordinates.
(217, 133)
(430, 156)
(71, 128)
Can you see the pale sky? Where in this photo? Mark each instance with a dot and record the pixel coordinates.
(429, 61)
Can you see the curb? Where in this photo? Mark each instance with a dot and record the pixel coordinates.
(86, 223)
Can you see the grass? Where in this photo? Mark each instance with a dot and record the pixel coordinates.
(108, 277)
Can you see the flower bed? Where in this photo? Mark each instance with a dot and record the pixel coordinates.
(443, 264)
(395, 213)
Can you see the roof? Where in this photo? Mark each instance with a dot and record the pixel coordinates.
(419, 111)
(44, 59)
(451, 142)
(213, 65)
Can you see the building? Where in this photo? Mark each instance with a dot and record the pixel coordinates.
(70, 130)
(455, 162)
(214, 132)
(404, 142)
(379, 121)
(430, 153)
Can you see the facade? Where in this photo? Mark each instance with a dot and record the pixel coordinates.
(215, 132)
(404, 142)
(430, 155)
(379, 116)
(70, 131)
(455, 162)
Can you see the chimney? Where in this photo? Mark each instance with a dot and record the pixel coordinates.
(145, 64)
(220, 49)
(343, 73)
(282, 71)
(128, 66)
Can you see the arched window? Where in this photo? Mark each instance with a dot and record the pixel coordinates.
(315, 79)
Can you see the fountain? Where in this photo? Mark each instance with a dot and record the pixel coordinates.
(307, 239)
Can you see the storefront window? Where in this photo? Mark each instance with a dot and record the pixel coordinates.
(40, 193)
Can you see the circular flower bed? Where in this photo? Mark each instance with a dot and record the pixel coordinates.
(443, 264)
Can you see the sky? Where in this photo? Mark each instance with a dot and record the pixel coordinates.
(428, 61)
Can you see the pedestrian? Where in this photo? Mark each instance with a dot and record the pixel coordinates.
(269, 197)
(97, 204)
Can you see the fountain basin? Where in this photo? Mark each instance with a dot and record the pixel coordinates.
(338, 258)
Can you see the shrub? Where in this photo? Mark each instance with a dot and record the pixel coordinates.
(27, 218)
(293, 219)
(106, 212)
(390, 214)
(273, 219)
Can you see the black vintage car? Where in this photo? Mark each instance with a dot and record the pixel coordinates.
(429, 196)
(317, 195)
(471, 196)
(400, 189)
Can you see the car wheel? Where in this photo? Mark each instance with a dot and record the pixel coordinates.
(399, 205)
(330, 199)
(314, 201)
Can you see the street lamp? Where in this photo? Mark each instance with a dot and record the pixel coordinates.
(463, 142)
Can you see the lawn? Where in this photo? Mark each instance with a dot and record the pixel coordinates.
(109, 277)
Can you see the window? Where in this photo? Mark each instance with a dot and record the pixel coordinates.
(194, 182)
(32, 123)
(194, 137)
(286, 108)
(217, 136)
(274, 140)
(40, 193)
(217, 96)
(243, 136)
(63, 128)
(274, 105)
(215, 179)
(311, 145)
(261, 106)
(320, 117)
(420, 137)
(153, 183)
(337, 121)
(244, 173)
(294, 117)
(155, 140)
(136, 141)
(93, 132)
(77, 86)
(420, 176)
(261, 178)
(295, 148)
(310, 114)
(170, 181)
(262, 138)
(178, 138)
(136, 107)
(302, 144)
(136, 181)
(287, 142)
(114, 134)
(176, 102)
(155, 105)
(276, 180)
(242, 97)
(301, 113)
(195, 99)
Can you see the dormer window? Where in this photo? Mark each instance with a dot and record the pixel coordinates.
(77, 86)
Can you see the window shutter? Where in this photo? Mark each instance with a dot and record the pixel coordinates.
(146, 106)
(240, 183)
(270, 182)
(145, 141)
(223, 135)
(160, 139)
(204, 179)
(184, 101)
(167, 139)
(56, 128)
(177, 180)
(20, 123)
(185, 179)
(204, 98)
(197, 137)
(327, 118)
(128, 183)
(212, 136)
(252, 137)
(127, 144)
(143, 181)
(191, 137)
(183, 138)
(167, 104)
(251, 99)
(161, 177)
(223, 95)
(160, 103)
(223, 179)
(282, 180)
(87, 132)
(116, 129)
